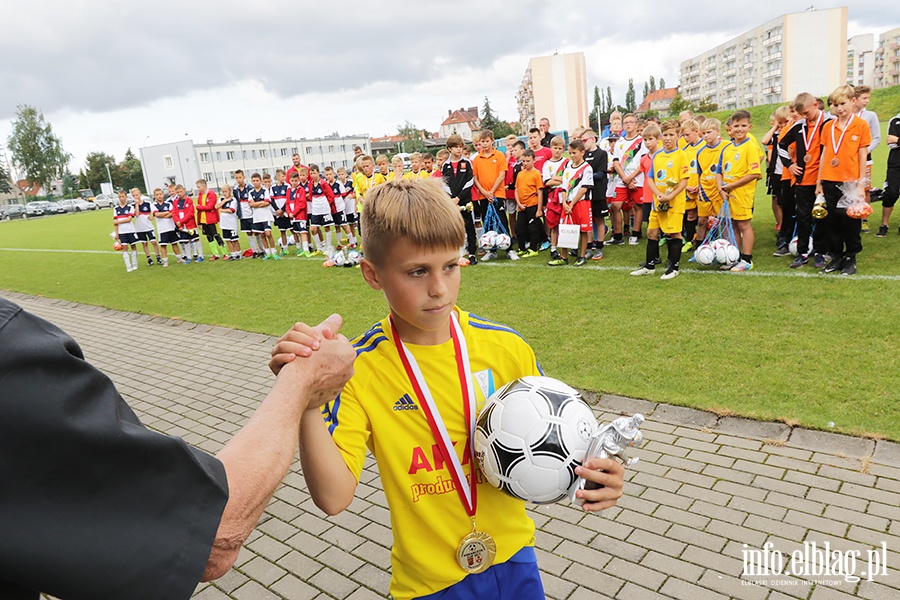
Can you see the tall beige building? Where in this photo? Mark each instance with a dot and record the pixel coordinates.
(772, 63)
(554, 87)
(887, 59)
(861, 60)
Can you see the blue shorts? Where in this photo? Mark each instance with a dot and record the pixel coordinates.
(516, 579)
(338, 218)
(300, 226)
(128, 239)
(246, 225)
(261, 227)
(230, 235)
(146, 236)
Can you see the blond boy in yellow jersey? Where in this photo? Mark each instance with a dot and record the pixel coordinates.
(690, 133)
(368, 178)
(740, 167)
(413, 236)
(709, 202)
(668, 180)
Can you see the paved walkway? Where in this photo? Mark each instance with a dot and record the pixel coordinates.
(704, 488)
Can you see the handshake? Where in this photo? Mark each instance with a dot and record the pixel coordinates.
(318, 354)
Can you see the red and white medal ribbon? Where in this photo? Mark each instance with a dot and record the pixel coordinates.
(837, 146)
(812, 134)
(467, 491)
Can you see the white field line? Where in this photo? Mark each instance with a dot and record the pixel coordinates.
(501, 263)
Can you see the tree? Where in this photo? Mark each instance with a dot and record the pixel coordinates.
(69, 185)
(5, 181)
(707, 105)
(662, 83)
(647, 88)
(412, 138)
(609, 102)
(679, 104)
(653, 84)
(94, 172)
(596, 111)
(630, 103)
(34, 147)
(131, 174)
(488, 118)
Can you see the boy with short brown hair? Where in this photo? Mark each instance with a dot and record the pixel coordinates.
(424, 352)
(530, 204)
(739, 170)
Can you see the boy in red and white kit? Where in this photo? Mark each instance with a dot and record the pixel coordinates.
(123, 218)
(186, 223)
(295, 209)
(552, 174)
(578, 179)
(337, 207)
(348, 194)
(320, 197)
(278, 194)
(227, 206)
(626, 160)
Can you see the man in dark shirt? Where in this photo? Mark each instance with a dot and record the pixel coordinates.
(544, 126)
(94, 505)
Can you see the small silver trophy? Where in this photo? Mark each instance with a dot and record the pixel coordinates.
(610, 440)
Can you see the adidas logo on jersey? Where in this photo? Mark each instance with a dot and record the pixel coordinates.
(405, 403)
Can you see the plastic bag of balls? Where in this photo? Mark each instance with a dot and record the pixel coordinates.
(488, 240)
(853, 199)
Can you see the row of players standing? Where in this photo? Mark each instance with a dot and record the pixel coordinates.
(309, 209)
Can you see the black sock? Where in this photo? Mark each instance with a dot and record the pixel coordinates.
(674, 246)
(690, 230)
(652, 254)
(747, 257)
(617, 237)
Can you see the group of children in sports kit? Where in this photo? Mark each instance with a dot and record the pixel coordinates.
(675, 176)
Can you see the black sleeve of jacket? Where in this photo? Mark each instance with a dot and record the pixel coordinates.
(792, 136)
(601, 177)
(92, 504)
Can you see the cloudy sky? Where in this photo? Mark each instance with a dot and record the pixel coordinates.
(113, 74)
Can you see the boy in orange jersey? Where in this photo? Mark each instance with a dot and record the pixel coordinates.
(530, 204)
(739, 170)
(668, 180)
(803, 163)
(845, 142)
(490, 167)
(424, 353)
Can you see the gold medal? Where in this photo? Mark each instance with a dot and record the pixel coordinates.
(476, 551)
(807, 158)
(835, 162)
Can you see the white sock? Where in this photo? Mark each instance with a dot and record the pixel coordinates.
(252, 240)
(328, 238)
(306, 246)
(127, 258)
(352, 239)
(134, 259)
(166, 261)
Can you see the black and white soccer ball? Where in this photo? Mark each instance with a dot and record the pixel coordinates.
(531, 435)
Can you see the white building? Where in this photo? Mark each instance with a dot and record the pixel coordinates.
(462, 122)
(861, 60)
(800, 52)
(887, 59)
(554, 87)
(185, 162)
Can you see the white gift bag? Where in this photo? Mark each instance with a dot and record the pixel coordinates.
(569, 234)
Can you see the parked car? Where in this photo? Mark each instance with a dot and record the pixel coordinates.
(54, 208)
(33, 209)
(105, 200)
(12, 211)
(77, 205)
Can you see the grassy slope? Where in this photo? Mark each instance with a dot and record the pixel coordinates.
(811, 350)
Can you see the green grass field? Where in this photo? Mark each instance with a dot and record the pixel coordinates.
(770, 344)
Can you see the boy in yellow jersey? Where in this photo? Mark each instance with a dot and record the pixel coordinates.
(690, 133)
(368, 178)
(739, 170)
(709, 202)
(412, 403)
(668, 180)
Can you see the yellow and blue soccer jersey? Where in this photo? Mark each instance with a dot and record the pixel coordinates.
(364, 184)
(736, 161)
(378, 411)
(670, 167)
(691, 151)
(707, 167)
(759, 149)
